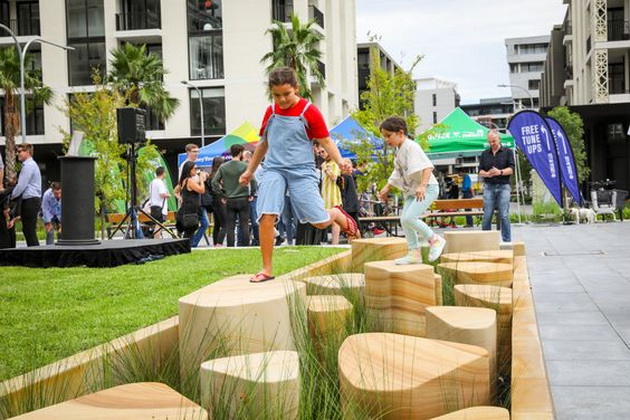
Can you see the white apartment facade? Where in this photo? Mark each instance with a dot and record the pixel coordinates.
(435, 99)
(526, 57)
(215, 45)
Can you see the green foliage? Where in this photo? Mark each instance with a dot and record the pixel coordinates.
(298, 48)
(574, 128)
(95, 115)
(10, 84)
(139, 77)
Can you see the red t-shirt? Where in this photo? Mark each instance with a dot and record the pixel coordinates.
(316, 125)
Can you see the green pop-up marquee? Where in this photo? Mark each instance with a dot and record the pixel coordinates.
(458, 135)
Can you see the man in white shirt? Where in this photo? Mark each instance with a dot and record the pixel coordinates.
(158, 194)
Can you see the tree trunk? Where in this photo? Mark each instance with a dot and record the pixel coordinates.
(11, 127)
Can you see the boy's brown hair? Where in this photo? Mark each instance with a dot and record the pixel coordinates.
(283, 76)
(394, 124)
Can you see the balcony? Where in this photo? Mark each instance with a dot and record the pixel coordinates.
(618, 30)
(138, 21)
(315, 14)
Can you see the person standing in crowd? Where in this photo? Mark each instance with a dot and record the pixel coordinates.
(495, 166)
(158, 196)
(235, 196)
(1, 173)
(253, 217)
(413, 174)
(9, 215)
(289, 126)
(51, 211)
(29, 189)
(190, 187)
(218, 206)
(192, 152)
(349, 195)
(467, 192)
(331, 193)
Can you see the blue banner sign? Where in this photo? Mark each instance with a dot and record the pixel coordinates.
(566, 160)
(534, 138)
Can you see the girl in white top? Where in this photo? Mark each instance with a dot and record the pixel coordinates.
(413, 175)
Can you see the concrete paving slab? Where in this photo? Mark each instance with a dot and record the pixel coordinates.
(578, 332)
(591, 402)
(601, 350)
(580, 372)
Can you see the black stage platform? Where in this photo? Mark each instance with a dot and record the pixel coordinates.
(109, 253)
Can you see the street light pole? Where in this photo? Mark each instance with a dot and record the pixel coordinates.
(531, 99)
(22, 87)
(203, 139)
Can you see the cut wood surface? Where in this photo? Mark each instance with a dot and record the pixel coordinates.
(395, 376)
(327, 315)
(257, 385)
(376, 249)
(138, 401)
(477, 413)
(472, 240)
(501, 256)
(396, 295)
(237, 317)
(479, 273)
(335, 284)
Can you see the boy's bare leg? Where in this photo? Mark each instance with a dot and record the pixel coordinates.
(336, 231)
(267, 240)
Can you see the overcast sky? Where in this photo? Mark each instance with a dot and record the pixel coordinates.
(462, 40)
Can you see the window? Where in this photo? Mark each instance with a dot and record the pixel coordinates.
(86, 33)
(5, 17)
(435, 118)
(616, 78)
(205, 39)
(540, 48)
(206, 57)
(434, 99)
(34, 117)
(514, 68)
(28, 18)
(615, 133)
(533, 84)
(534, 67)
(213, 111)
(281, 10)
(139, 14)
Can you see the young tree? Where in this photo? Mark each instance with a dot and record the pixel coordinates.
(574, 128)
(10, 84)
(388, 94)
(139, 77)
(297, 48)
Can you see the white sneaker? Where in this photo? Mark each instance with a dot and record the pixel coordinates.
(436, 248)
(410, 258)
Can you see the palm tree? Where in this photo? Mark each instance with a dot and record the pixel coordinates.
(298, 48)
(10, 83)
(140, 78)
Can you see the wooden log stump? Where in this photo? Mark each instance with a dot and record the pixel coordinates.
(473, 240)
(477, 413)
(438, 289)
(336, 284)
(394, 376)
(485, 273)
(257, 385)
(501, 257)
(500, 300)
(376, 249)
(466, 325)
(327, 316)
(138, 401)
(234, 316)
(396, 296)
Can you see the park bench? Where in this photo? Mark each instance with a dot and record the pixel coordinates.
(439, 209)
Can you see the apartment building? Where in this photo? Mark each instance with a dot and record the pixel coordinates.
(526, 57)
(434, 100)
(592, 45)
(493, 113)
(213, 45)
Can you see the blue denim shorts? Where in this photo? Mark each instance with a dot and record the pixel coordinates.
(302, 186)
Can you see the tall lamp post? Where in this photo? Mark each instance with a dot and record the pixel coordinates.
(531, 99)
(203, 139)
(22, 55)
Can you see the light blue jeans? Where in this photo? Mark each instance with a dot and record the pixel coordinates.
(497, 196)
(203, 226)
(415, 228)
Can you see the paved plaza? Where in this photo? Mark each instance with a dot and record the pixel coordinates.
(580, 279)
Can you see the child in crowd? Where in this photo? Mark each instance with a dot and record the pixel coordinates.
(289, 125)
(413, 174)
(331, 192)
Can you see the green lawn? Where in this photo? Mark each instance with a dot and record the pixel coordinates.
(49, 314)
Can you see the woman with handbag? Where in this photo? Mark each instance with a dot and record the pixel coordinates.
(190, 187)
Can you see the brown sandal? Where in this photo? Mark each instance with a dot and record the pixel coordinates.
(352, 230)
